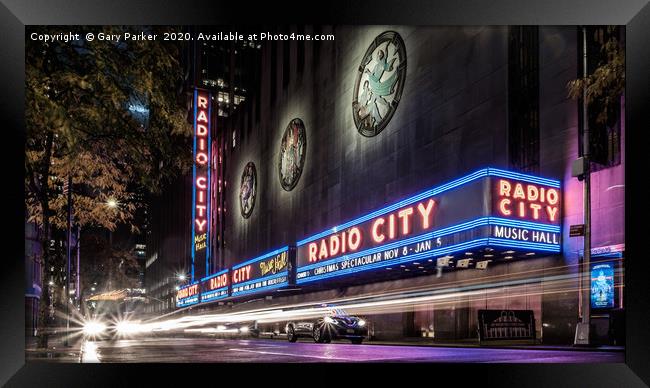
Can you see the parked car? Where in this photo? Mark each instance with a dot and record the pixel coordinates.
(337, 324)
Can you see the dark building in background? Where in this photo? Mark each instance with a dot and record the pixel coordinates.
(523, 98)
(33, 282)
(230, 71)
(139, 240)
(168, 244)
(473, 97)
(55, 275)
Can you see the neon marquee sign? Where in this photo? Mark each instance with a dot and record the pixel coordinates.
(215, 286)
(380, 230)
(201, 183)
(490, 207)
(530, 202)
(266, 272)
(527, 201)
(187, 295)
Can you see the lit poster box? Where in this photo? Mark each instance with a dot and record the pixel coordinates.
(602, 285)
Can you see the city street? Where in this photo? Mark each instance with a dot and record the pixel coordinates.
(263, 350)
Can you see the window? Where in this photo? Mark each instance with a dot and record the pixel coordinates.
(223, 98)
(604, 136)
(523, 98)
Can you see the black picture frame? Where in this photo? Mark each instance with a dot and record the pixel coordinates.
(635, 14)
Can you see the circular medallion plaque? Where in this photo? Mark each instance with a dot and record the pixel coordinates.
(248, 190)
(292, 154)
(379, 84)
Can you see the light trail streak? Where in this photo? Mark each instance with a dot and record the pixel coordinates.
(554, 280)
(89, 352)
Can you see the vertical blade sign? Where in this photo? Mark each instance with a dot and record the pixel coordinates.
(201, 184)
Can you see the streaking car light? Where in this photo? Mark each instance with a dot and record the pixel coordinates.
(328, 320)
(361, 322)
(389, 302)
(126, 327)
(244, 329)
(94, 328)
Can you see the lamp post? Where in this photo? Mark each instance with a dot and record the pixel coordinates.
(112, 204)
(582, 336)
(68, 254)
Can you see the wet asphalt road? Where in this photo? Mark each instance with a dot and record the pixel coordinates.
(264, 350)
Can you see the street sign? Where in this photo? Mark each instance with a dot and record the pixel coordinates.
(577, 230)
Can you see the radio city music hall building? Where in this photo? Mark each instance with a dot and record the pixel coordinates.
(393, 159)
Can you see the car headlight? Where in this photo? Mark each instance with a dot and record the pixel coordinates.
(244, 329)
(361, 322)
(328, 320)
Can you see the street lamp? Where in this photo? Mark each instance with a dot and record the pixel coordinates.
(112, 203)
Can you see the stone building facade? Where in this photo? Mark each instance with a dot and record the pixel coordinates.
(456, 115)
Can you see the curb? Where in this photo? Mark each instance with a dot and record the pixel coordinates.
(612, 349)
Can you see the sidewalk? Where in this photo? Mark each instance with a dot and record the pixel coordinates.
(475, 344)
(55, 352)
(494, 345)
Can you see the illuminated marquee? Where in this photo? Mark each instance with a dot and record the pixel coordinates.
(490, 207)
(201, 184)
(269, 271)
(215, 286)
(396, 225)
(529, 202)
(187, 295)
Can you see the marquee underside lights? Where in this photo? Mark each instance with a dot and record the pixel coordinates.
(201, 184)
(490, 207)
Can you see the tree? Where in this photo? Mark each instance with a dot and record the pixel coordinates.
(112, 266)
(107, 114)
(606, 84)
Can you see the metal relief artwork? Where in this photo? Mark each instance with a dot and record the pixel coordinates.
(379, 83)
(292, 154)
(248, 190)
